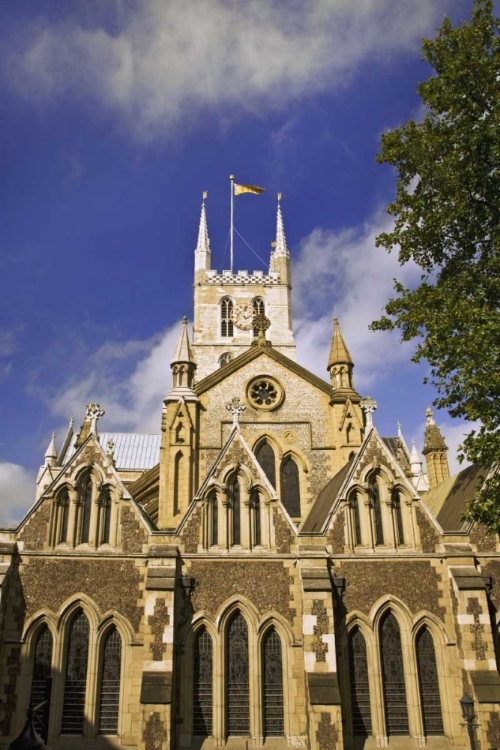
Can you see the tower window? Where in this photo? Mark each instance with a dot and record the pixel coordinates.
(225, 358)
(226, 315)
(258, 308)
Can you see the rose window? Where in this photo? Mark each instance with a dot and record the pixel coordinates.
(265, 393)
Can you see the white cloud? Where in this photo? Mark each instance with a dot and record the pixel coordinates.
(344, 274)
(17, 492)
(128, 379)
(166, 62)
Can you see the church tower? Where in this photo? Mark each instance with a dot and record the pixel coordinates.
(225, 303)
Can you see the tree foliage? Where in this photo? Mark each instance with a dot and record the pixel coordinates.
(447, 221)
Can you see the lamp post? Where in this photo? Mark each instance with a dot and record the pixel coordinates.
(467, 707)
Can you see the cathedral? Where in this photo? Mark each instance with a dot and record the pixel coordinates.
(265, 571)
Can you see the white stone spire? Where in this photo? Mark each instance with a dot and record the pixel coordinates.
(415, 461)
(202, 255)
(51, 452)
(281, 249)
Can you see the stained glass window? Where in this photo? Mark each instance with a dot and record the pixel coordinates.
(272, 670)
(290, 487)
(429, 686)
(226, 311)
(41, 682)
(360, 688)
(202, 684)
(85, 500)
(110, 683)
(265, 456)
(237, 688)
(235, 496)
(76, 675)
(396, 711)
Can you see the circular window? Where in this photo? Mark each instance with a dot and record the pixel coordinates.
(265, 392)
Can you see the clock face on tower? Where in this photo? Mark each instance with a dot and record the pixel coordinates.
(242, 316)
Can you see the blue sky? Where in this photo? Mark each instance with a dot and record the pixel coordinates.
(114, 117)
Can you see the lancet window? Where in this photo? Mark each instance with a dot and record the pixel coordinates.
(265, 456)
(105, 506)
(396, 710)
(213, 507)
(238, 685)
(428, 683)
(290, 487)
(398, 518)
(272, 670)
(203, 684)
(377, 511)
(63, 516)
(41, 682)
(76, 675)
(234, 489)
(85, 505)
(360, 688)
(356, 506)
(109, 702)
(258, 308)
(226, 317)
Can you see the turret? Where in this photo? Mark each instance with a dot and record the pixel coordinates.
(183, 363)
(340, 364)
(51, 452)
(435, 451)
(202, 254)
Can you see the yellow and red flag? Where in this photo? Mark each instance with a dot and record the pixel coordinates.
(239, 189)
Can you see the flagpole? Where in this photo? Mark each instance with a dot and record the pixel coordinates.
(231, 177)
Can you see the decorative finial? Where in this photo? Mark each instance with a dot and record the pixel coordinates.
(399, 426)
(429, 416)
(236, 408)
(94, 412)
(368, 405)
(71, 422)
(280, 196)
(110, 446)
(260, 324)
(204, 195)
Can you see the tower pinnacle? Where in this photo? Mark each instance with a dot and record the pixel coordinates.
(435, 451)
(340, 364)
(51, 452)
(183, 362)
(280, 256)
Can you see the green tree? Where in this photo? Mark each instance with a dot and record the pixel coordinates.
(447, 221)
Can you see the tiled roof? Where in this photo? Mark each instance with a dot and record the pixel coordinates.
(132, 451)
(323, 504)
(447, 501)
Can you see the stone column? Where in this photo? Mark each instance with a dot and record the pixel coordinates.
(73, 517)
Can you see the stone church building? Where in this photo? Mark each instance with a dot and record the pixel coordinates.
(266, 571)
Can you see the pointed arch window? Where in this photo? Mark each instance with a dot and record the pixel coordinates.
(377, 511)
(430, 699)
(109, 703)
(178, 467)
(226, 317)
(236, 505)
(73, 712)
(258, 308)
(356, 518)
(398, 518)
(214, 510)
(63, 506)
(267, 460)
(41, 682)
(396, 710)
(360, 687)
(105, 525)
(237, 687)
(85, 503)
(290, 487)
(272, 671)
(257, 532)
(203, 684)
